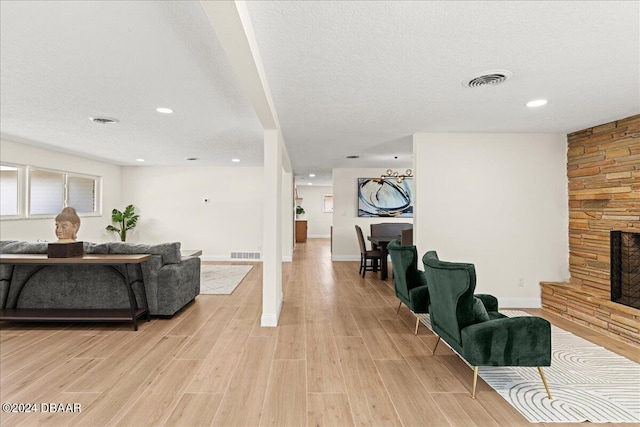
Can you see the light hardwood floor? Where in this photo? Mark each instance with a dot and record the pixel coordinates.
(340, 357)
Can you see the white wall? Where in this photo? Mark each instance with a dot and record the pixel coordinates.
(318, 221)
(92, 228)
(498, 201)
(170, 201)
(288, 214)
(345, 212)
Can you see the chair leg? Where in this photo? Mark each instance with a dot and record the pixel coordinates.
(417, 324)
(475, 381)
(544, 381)
(436, 346)
(399, 305)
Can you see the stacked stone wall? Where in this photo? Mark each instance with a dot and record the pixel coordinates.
(603, 169)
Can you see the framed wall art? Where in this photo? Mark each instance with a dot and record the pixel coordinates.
(385, 197)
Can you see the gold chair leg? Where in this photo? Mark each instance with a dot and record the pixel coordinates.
(399, 305)
(436, 346)
(544, 381)
(417, 324)
(475, 381)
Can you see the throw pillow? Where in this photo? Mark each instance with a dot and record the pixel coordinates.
(479, 312)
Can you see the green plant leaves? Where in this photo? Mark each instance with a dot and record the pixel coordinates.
(127, 220)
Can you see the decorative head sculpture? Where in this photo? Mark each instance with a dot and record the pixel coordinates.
(67, 225)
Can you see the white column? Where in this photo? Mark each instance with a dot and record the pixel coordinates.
(272, 231)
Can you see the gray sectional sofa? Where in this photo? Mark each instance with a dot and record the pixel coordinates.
(170, 281)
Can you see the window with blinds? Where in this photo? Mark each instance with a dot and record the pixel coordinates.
(48, 192)
(9, 187)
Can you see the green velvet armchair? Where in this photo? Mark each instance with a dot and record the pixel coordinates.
(409, 282)
(474, 328)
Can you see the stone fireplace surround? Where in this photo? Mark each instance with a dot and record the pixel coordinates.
(603, 170)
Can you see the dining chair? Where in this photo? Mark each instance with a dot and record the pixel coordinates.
(373, 255)
(406, 237)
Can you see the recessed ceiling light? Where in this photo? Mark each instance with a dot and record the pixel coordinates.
(191, 158)
(235, 160)
(537, 103)
(164, 110)
(311, 175)
(104, 120)
(353, 157)
(139, 160)
(309, 183)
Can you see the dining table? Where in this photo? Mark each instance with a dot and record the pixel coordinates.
(381, 242)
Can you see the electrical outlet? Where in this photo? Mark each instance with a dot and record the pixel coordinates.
(521, 282)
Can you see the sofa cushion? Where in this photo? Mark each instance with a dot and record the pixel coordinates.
(170, 252)
(19, 247)
(96, 248)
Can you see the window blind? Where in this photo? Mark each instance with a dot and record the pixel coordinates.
(81, 193)
(46, 192)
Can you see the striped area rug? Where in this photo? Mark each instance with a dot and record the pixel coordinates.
(587, 382)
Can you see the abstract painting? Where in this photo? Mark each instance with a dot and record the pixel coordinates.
(385, 197)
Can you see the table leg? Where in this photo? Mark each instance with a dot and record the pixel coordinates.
(383, 262)
(132, 298)
(375, 260)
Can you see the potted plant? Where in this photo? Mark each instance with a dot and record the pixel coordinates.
(299, 211)
(126, 220)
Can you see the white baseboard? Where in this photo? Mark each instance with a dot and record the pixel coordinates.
(319, 236)
(506, 302)
(287, 258)
(271, 320)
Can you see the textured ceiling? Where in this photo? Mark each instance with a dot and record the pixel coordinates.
(346, 77)
(63, 62)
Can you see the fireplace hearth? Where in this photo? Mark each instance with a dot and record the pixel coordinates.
(625, 268)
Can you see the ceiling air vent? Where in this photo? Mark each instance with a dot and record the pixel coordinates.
(488, 78)
(103, 120)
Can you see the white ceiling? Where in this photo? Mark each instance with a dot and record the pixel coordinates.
(346, 77)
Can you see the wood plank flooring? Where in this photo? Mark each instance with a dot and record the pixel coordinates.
(341, 357)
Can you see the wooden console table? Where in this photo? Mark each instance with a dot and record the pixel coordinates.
(113, 261)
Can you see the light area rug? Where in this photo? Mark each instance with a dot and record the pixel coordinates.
(221, 279)
(587, 382)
